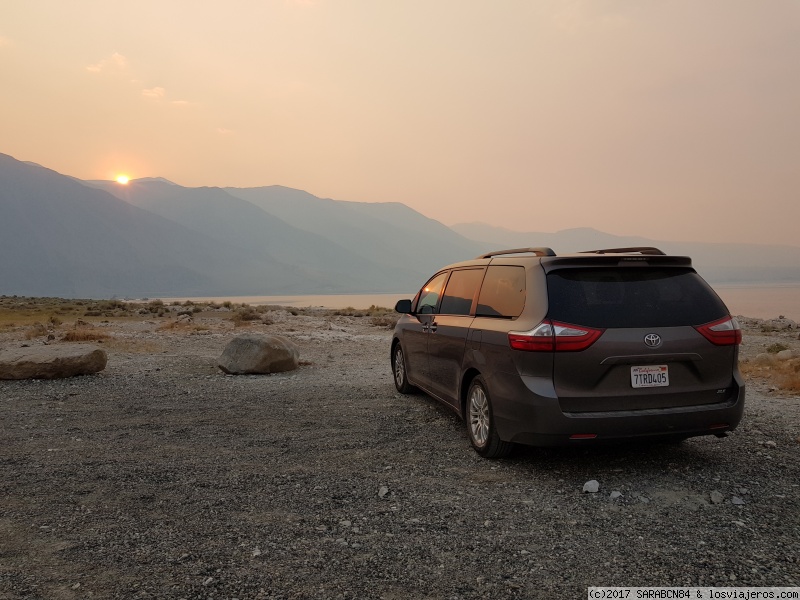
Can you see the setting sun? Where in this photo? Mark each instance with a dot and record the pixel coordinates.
(123, 179)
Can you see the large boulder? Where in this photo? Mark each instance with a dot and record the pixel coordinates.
(253, 353)
(51, 362)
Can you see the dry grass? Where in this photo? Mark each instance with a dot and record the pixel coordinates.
(85, 334)
(134, 346)
(784, 374)
(372, 311)
(35, 330)
(182, 326)
(386, 321)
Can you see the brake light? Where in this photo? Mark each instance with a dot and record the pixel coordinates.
(724, 332)
(552, 336)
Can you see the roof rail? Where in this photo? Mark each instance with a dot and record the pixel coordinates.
(632, 250)
(540, 251)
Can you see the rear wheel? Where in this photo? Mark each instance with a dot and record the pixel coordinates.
(480, 423)
(399, 371)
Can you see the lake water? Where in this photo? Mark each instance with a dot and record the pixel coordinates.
(763, 302)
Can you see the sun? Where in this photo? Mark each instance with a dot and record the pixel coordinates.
(123, 179)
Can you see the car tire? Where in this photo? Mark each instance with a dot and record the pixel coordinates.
(399, 370)
(480, 423)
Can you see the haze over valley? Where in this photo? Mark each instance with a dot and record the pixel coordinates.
(61, 236)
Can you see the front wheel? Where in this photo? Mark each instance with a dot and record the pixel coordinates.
(399, 371)
(480, 423)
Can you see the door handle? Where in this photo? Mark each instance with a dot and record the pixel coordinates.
(433, 327)
(429, 328)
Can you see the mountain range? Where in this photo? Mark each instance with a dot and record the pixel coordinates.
(61, 236)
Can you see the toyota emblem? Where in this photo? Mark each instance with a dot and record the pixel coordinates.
(653, 340)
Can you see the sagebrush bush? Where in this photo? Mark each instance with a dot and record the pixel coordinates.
(85, 334)
(35, 330)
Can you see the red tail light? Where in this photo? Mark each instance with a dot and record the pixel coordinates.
(724, 332)
(552, 336)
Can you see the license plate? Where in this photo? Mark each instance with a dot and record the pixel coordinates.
(650, 376)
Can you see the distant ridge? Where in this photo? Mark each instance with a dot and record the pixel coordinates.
(60, 236)
(719, 263)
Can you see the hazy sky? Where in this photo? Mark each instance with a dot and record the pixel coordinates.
(674, 120)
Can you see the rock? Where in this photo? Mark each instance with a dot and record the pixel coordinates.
(382, 491)
(736, 500)
(255, 354)
(591, 487)
(770, 444)
(765, 358)
(781, 323)
(785, 355)
(717, 497)
(51, 362)
(615, 494)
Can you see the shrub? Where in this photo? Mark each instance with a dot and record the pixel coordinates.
(244, 315)
(777, 347)
(85, 334)
(385, 321)
(35, 330)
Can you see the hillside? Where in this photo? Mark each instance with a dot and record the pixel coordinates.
(718, 263)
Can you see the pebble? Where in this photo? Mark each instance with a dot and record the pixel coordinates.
(382, 491)
(716, 497)
(736, 500)
(615, 494)
(591, 487)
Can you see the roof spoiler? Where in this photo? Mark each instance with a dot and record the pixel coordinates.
(633, 250)
(540, 251)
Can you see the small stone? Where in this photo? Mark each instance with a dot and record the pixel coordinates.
(615, 494)
(739, 523)
(382, 491)
(345, 523)
(770, 444)
(591, 487)
(208, 581)
(256, 551)
(736, 500)
(716, 497)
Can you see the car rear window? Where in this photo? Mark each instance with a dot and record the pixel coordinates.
(502, 293)
(632, 297)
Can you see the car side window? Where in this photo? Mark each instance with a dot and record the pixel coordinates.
(503, 292)
(460, 291)
(429, 295)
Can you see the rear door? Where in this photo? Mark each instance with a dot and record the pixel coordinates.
(449, 330)
(650, 354)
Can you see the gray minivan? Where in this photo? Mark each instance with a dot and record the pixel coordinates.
(536, 348)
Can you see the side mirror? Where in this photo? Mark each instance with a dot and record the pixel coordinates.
(403, 306)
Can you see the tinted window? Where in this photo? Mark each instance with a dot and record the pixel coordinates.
(429, 295)
(503, 292)
(460, 292)
(634, 297)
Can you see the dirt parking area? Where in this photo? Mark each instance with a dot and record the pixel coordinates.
(161, 477)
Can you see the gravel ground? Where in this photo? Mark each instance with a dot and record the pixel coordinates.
(161, 477)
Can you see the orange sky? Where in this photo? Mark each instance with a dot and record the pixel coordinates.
(674, 120)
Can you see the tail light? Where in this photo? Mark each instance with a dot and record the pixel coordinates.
(552, 336)
(724, 332)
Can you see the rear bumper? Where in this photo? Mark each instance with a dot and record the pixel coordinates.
(529, 413)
